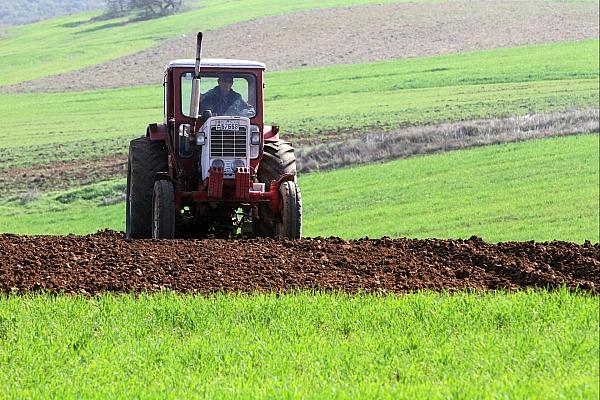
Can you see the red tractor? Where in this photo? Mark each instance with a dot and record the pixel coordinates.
(212, 166)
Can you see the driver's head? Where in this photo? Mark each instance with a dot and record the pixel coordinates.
(225, 83)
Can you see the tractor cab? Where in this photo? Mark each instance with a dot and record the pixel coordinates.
(241, 77)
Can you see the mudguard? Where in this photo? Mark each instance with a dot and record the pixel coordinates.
(157, 132)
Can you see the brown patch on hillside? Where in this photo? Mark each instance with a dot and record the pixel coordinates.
(347, 36)
(28, 182)
(380, 145)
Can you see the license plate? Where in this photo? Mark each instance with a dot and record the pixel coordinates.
(227, 125)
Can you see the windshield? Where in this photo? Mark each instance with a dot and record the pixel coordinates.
(230, 94)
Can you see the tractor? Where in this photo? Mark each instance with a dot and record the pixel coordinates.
(212, 167)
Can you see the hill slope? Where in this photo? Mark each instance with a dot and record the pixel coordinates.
(347, 35)
(70, 43)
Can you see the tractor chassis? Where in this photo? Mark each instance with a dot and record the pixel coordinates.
(233, 193)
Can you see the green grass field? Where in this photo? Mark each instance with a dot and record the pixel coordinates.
(537, 190)
(485, 84)
(300, 345)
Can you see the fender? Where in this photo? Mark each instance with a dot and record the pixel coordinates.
(157, 132)
(271, 133)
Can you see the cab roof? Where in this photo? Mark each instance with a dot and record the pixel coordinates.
(216, 63)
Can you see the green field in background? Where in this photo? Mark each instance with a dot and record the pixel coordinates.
(547, 62)
(301, 345)
(484, 84)
(537, 190)
(73, 42)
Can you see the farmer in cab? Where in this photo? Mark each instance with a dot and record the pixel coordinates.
(223, 100)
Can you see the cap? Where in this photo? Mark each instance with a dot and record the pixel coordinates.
(225, 78)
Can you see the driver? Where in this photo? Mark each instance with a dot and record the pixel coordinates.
(223, 100)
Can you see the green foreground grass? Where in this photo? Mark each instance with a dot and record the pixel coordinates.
(300, 345)
(349, 98)
(537, 190)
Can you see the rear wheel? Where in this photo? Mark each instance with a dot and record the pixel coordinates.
(278, 160)
(145, 159)
(163, 211)
(290, 226)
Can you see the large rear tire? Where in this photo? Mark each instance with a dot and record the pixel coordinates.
(163, 211)
(290, 226)
(278, 159)
(145, 159)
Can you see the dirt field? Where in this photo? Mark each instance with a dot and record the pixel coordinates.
(347, 36)
(106, 262)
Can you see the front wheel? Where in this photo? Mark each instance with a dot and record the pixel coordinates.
(163, 210)
(290, 226)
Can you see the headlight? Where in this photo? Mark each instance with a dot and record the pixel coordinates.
(238, 163)
(254, 135)
(254, 141)
(217, 164)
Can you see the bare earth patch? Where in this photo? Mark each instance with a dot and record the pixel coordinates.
(379, 145)
(347, 36)
(105, 262)
(27, 182)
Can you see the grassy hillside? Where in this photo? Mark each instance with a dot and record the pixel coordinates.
(70, 43)
(540, 190)
(423, 345)
(414, 91)
(557, 61)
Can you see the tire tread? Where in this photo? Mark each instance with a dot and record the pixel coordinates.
(146, 158)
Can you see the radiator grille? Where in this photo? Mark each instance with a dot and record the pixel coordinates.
(228, 143)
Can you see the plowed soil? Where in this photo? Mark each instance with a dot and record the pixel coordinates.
(105, 262)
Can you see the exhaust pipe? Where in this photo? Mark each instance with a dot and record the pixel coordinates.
(195, 96)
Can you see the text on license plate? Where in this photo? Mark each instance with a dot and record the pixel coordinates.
(228, 125)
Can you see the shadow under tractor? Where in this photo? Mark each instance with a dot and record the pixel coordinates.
(212, 167)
